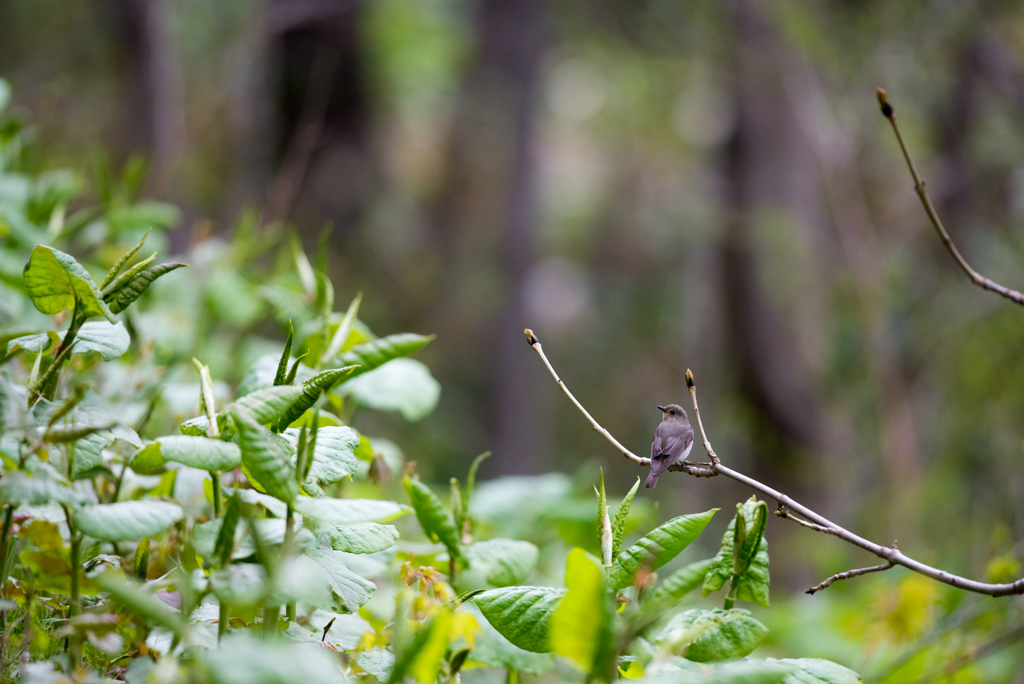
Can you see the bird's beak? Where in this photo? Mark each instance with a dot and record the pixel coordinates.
(661, 408)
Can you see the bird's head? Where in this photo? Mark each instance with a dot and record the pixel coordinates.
(674, 412)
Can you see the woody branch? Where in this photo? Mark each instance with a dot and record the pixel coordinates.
(787, 506)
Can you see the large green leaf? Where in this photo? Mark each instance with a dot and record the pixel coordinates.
(366, 537)
(503, 562)
(311, 390)
(436, 520)
(657, 548)
(195, 452)
(522, 614)
(89, 453)
(708, 635)
(580, 626)
(263, 457)
(370, 355)
(816, 671)
(334, 456)
(402, 385)
(496, 651)
(349, 511)
(319, 577)
(55, 281)
(124, 296)
(21, 488)
(753, 583)
(128, 520)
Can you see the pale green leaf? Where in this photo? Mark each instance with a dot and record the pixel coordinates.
(243, 659)
(580, 626)
(402, 385)
(349, 511)
(816, 671)
(111, 341)
(370, 355)
(139, 601)
(333, 454)
(128, 520)
(621, 516)
(366, 537)
(503, 562)
(196, 452)
(754, 583)
(670, 590)
(320, 577)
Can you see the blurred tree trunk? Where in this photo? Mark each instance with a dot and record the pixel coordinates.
(485, 223)
(772, 194)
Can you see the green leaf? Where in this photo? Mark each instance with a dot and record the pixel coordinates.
(753, 584)
(40, 342)
(119, 264)
(670, 590)
(268, 405)
(319, 577)
(621, 516)
(708, 635)
(122, 298)
(89, 453)
(435, 519)
(402, 385)
(139, 601)
(243, 659)
(196, 452)
(111, 341)
(311, 390)
(263, 456)
(816, 671)
(522, 614)
(282, 365)
(504, 562)
(128, 520)
(55, 281)
(349, 511)
(21, 488)
(657, 548)
(471, 479)
(366, 537)
(333, 454)
(141, 564)
(426, 662)
(580, 625)
(496, 651)
(377, 661)
(370, 355)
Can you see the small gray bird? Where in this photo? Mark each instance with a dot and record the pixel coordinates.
(672, 441)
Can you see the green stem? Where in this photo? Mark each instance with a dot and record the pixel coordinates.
(76, 596)
(218, 495)
(730, 599)
(63, 352)
(270, 614)
(8, 516)
(286, 549)
(222, 621)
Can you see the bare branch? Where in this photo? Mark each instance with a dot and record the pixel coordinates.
(534, 343)
(978, 279)
(848, 574)
(783, 513)
(813, 520)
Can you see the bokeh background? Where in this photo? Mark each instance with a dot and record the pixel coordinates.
(649, 185)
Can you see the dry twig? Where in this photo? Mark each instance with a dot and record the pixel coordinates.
(976, 278)
(891, 555)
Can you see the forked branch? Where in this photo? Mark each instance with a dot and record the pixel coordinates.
(815, 521)
(976, 278)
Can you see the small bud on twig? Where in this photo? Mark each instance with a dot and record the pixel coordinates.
(689, 378)
(883, 102)
(531, 339)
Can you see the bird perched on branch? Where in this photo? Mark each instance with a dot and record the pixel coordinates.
(672, 441)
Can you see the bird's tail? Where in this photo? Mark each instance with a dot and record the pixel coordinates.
(652, 480)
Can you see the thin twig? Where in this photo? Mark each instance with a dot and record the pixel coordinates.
(889, 554)
(535, 344)
(783, 513)
(978, 279)
(848, 574)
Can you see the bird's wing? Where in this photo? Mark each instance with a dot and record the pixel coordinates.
(670, 439)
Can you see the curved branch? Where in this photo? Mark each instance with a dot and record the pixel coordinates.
(889, 554)
(976, 278)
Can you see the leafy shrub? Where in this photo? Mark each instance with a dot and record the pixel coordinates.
(158, 526)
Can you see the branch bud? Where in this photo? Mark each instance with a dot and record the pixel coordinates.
(689, 378)
(883, 102)
(531, 339)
